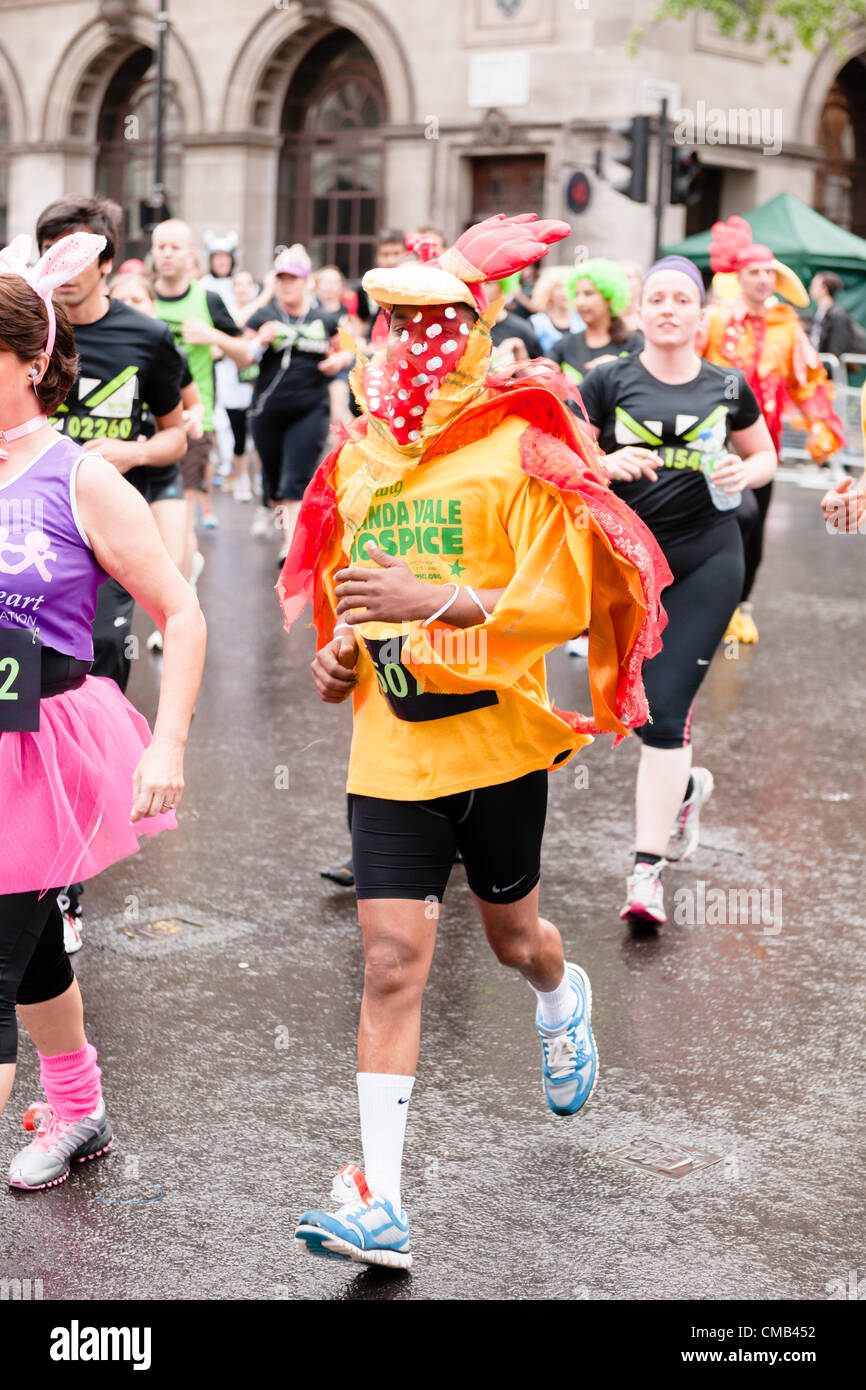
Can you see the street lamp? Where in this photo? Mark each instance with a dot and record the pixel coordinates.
(159, 161)
(154, 209)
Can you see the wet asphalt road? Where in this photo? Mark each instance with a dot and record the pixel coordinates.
(227, 1046)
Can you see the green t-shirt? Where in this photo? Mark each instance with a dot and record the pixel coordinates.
(198, 303)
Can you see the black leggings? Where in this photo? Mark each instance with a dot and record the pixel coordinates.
(708, 580)
(238, 421)
(289, 447)
(34, 965)
(751, 516)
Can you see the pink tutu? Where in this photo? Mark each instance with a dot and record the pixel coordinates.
(66, 792)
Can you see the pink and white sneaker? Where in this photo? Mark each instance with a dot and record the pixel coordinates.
(687, 831)
(644, 895)
(47, 1161)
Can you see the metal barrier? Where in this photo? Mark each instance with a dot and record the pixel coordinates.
(847, 403)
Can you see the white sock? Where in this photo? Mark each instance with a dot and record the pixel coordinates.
(384, 1101)
(557, 1005)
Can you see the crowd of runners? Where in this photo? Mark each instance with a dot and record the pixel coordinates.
(582, 457)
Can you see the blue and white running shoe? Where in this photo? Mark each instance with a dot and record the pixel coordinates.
(365, 1228)
(570, 1055)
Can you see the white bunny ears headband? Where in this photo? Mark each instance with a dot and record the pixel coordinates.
(61, 262)
(213, 243)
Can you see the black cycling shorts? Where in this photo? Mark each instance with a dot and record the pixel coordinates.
(157, 483)
(405, 849)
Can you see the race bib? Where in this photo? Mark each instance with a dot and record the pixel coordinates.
(405, 695)
(20, 680)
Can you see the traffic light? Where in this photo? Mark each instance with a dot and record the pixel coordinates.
(635, 157)
(686, 174)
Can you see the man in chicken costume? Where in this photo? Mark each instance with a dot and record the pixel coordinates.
(461, 529)
(761, 336)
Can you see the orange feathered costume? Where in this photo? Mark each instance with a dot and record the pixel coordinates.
(595, 565)
(770, 348)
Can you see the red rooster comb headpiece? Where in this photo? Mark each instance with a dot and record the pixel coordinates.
(732, 249)
(491, 250)
(731, 246)
(426, 248)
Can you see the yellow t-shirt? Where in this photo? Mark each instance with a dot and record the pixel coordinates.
(474, 702)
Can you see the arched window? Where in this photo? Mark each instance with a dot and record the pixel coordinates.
(126, 133)
(4, 171)
(331, 188)
(840, 181)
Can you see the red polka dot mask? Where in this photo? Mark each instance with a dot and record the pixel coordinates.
(399, 388)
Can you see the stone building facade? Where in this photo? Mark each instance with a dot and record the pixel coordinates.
(323, 120)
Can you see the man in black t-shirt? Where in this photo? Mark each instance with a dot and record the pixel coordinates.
(127, 359)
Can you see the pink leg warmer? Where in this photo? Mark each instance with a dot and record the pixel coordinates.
(71, 1082)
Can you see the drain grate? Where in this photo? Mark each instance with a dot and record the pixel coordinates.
(159, 930)
(666, 1160)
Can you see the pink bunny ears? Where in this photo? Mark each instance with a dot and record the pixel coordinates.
(61, 262)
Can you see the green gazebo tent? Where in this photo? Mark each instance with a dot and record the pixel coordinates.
(805, 241)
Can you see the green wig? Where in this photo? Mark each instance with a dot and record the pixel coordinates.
(608, 279)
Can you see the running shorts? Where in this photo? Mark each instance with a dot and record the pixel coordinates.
(157, 484)
(193, 465)
(405, 849)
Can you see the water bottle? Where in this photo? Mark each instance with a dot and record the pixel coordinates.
(713, 455)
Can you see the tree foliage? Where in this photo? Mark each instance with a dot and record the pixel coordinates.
(779, 24)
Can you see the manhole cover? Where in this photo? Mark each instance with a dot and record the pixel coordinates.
(159, 930)
(665, 1160)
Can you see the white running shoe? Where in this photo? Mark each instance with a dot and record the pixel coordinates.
(644, 895)
(71, 933)
(365, 1228)
(197, 567)
(687, 831)
(578, 646)
(243, 491)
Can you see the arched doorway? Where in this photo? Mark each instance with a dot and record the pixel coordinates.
(4, 170)
(332, 159)
(840, 181)
(126, 128)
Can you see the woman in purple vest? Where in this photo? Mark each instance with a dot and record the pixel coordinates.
(80, 777)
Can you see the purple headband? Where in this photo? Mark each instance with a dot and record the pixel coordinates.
(683, 265)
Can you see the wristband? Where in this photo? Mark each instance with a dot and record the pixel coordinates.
(346, 627)
(257, 350)
(444, 608)
(472, 594)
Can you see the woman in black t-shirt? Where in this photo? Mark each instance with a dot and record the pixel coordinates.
(290, 413)
(666, 420)
(601, 295)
